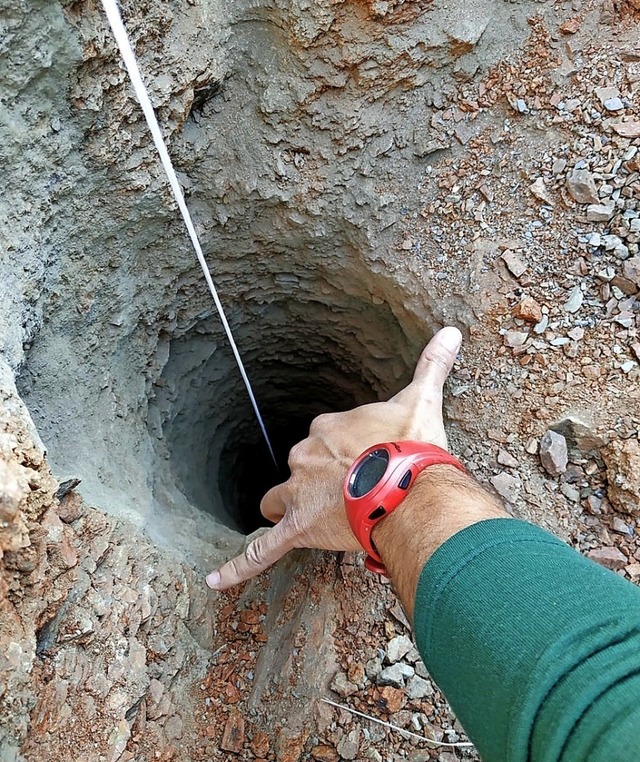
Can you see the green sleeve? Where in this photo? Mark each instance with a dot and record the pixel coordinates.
(536, 647)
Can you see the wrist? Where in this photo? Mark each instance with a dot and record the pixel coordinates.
(441, 502)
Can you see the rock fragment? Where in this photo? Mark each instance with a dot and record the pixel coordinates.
(528, 310)
(515, 338)
(391, 699)
(342, 686)
(553, 453)
(622, 459)
(580, 437)
(233, 733)
(582, 186)
(505, 458)
(627, 129)
(513, 262)
(601, 212)
(393, 675)
(397, 648)
(506, 485)
(631, 270)
(349, 745)
(574, 302)
(541, 192)
(612, 558)
(324, 753)
(418, 688)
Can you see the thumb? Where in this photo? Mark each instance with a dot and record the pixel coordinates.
(437, 358)
(258, 556)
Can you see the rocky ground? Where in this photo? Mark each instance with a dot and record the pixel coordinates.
(531, 173)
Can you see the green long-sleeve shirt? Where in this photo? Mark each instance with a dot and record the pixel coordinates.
(536, 647)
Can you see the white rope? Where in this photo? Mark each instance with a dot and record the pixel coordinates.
(128, 56)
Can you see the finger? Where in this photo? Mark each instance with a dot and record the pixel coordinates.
(258, 556)
(438, 357)
(275, 503)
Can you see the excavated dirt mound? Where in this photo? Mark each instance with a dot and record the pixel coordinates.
(360, 173)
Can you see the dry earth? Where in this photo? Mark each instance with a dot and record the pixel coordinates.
(515, 209)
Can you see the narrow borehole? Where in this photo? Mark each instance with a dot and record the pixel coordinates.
(216, 451)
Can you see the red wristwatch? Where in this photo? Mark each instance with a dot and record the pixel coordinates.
(379, 481)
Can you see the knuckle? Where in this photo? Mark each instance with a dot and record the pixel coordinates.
(321, 422)
(253, 554)
(297, 453)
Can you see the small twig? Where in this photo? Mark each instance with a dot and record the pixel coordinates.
(460, 745)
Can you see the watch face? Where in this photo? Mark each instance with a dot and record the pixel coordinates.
(368, 472)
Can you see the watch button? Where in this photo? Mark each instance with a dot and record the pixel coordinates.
(405, 481)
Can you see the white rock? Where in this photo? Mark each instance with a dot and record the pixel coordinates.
(418, 688)
(601, 212)
(553, 453)
(397, 648)
(574, 302)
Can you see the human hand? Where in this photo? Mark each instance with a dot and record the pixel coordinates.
(308, 509)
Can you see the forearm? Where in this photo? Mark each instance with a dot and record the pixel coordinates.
(442, 501)
(536, 648)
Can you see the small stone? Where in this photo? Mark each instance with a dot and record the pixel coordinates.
(506, 485)
(528, 310)
(532, 446)
(628, 129)
(559, 166)
(418, 688)
(233, 733)
(397, 648)
(349, 745)
(619, 526)
(391, 699)
(631, 270)
(570, 492)
(571, 26)
(628, 366)
(260, 744)
(373, 668)
(577, 333)
(521, 106)
(513, 262)
(342, 686)
(610, 242)
(582, 186)
(515, 338)
(574, 302)
(613, 104)
(541, 327)
(601, 212)
(324, 753)
(606, 93)
(541, 192)
(553, 453)
(393, 675)
(606, 275)
(621, 251)
(355, 673)
(595, 240)
(579, 436)
(612, 558)
(633, 570)
(622, 459)
(505, 458)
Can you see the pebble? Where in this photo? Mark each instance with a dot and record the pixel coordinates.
(576, 333)
(233, 733)
(392, 698)
(342, 686)
(582, 186)
(619, 526)
(532, 446)
(515, 338)
(513, 262)
(612, 558)
(610, 242)
(631, 270)
(574, 302)
(614, 104)
(397, 648)
(553, 453)
(627, 129)
(528, 310)
(505, 458)
(393, 675)
(559, 166)
(349, 745)
(418, 688)
(541, 192)
(373, 668)
(570, 492)
(621, 252)
(541, 327)
(324, 753)
(601, 212)
(506, 485)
